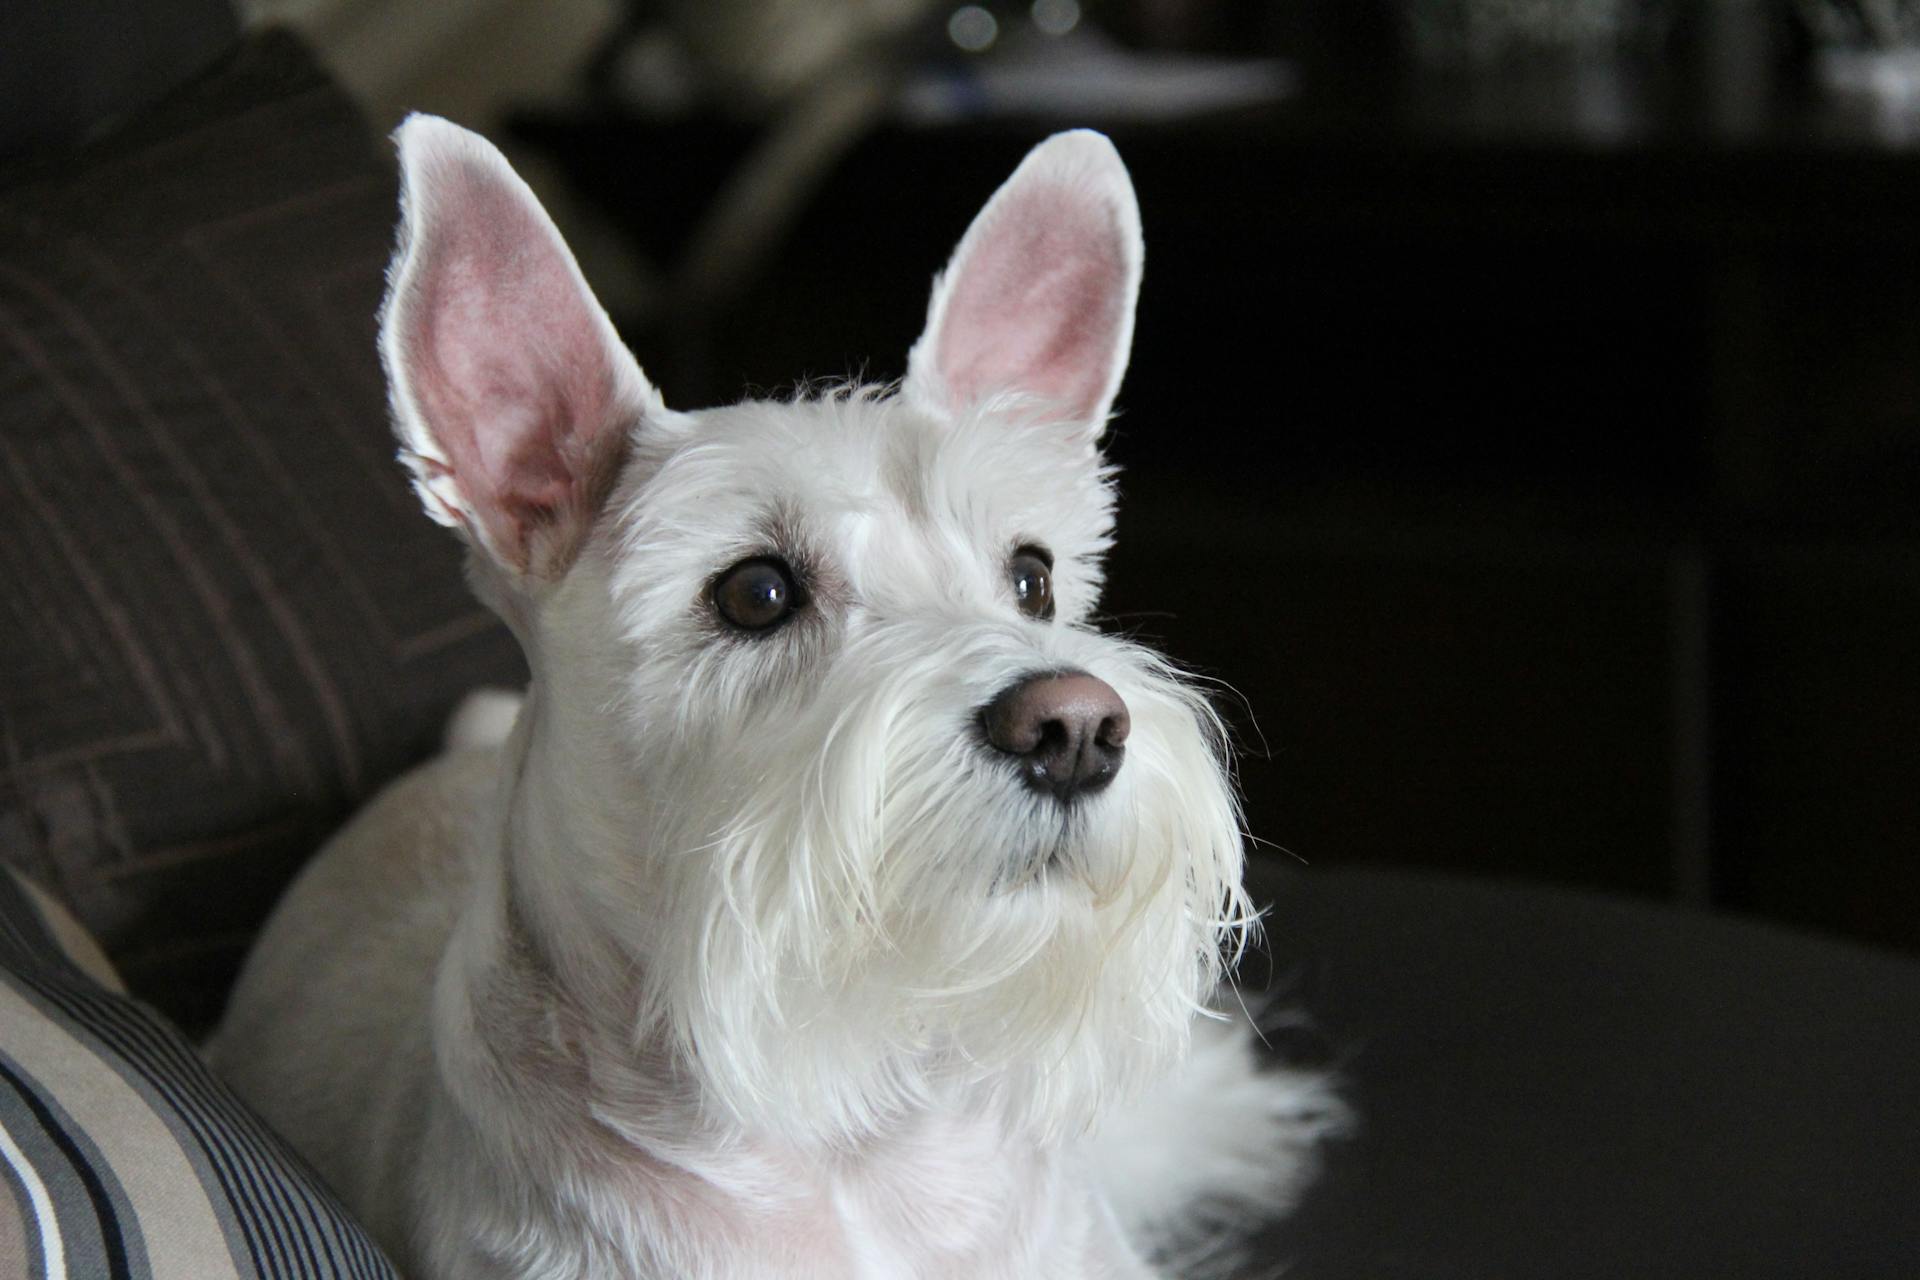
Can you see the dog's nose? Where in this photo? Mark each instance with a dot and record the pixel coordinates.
(1068, 730)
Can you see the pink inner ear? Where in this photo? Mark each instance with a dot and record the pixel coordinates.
(1039, 304)
(506, 360)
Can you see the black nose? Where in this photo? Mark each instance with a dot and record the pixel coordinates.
(1067, 729)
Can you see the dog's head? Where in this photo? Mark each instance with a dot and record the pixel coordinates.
(825, 772)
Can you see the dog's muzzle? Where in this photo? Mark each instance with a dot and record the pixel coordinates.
(1066, 730)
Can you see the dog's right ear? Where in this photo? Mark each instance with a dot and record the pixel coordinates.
(511, 393)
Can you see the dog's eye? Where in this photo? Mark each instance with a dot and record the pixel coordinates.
(757, 594)
(1031, 571)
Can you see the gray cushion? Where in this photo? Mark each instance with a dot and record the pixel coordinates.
(1566, 1085)
(68, 67)
(228, 622)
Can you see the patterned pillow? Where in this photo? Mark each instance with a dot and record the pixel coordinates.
(121, 1156)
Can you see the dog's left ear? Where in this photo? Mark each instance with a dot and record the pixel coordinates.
(511, 393)
(1038, 300)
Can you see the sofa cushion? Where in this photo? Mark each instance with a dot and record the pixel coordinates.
(67, 69)
(1563, 1084)
(228, 621)
(122, 1156)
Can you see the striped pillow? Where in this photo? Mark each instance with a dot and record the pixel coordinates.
(121, 1156)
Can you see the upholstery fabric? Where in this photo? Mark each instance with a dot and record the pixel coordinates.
(1566, 1085)
(121, 1156)
(72, 67)
(227, 622)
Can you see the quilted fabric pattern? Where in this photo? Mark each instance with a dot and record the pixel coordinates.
(227, 621)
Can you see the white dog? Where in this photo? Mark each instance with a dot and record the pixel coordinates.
(841, 903)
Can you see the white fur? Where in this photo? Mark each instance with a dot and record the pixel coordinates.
(484, 718)
(743, 956)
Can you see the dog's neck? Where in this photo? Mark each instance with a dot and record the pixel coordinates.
(547, 1075)
(544, 970)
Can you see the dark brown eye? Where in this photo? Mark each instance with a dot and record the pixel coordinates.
(757, 594)
(1031, 572)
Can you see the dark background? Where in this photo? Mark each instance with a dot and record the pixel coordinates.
(1538, 483)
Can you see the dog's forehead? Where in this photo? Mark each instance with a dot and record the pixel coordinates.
(861, 462)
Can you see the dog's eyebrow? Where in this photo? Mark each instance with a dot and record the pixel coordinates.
(781, 529)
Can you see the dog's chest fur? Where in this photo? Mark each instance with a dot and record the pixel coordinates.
(933, 1197)
(624, 1149)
